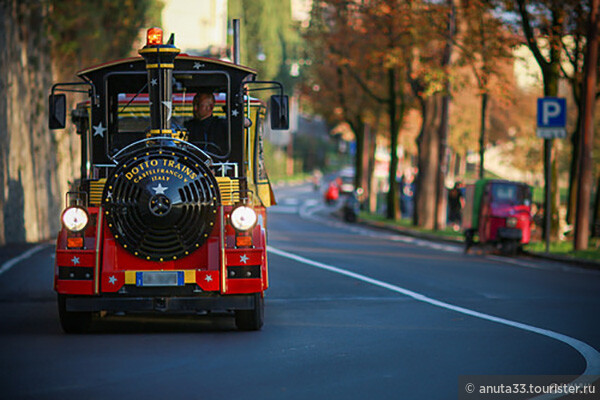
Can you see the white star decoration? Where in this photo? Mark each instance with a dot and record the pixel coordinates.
(208, 278)
(169, 106)
(235, 113)
(198, 65)
(109, 195)
(160, 189)
(154, 82)
(99, 130)
(244, 259)
(75, 260)
(112, 280)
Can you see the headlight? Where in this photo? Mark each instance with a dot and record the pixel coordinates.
(511, 222)
(75, 219)
(243, 218)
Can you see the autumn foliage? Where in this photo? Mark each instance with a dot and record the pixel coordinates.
(376, 62)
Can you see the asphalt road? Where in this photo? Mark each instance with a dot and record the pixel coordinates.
(351, 313)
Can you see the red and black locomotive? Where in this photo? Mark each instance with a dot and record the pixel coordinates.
(158, 222)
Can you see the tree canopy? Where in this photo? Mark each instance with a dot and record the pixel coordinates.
(375, 48)
(85, 33)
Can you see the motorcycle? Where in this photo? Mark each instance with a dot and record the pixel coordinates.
(351, 207)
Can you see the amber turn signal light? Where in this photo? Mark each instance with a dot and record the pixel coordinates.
(74, 242)
(243, 241)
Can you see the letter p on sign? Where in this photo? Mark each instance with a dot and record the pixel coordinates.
(551, 117)
(550, 110)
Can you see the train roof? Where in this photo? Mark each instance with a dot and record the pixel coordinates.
(197, 62)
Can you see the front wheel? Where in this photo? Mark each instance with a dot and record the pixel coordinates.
(71, 321)
(350, 216)
(251, 320)
(469, 239)
(509, 247)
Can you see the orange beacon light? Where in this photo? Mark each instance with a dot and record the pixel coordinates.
(154, 37)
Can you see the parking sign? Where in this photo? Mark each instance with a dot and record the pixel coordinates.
(551, 117)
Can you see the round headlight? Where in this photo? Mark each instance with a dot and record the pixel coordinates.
(243, 218)
(511, 222)
(75, 219)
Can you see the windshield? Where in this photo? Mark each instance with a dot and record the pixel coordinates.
(129, 110)
(510, 194)
(133, 121)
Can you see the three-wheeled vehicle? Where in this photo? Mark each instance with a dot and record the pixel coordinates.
(159, 220)
(498, 212)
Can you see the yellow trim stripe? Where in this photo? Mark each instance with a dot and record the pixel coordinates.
(159, 50)
(152, 66)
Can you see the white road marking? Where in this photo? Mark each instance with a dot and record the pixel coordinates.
(291, 201)
(283, 209)
(308, 209)
(590, 354)
(13, 261)
(311, 202)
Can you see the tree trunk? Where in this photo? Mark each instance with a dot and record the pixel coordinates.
(584, 189)
(428, 158)
(574, 171)
(441, 195)
(370, 189)
(393, 206)
(596, 223)
(372, 143)
(551, 80)
(440, 212)
(484, 102)
(359, 133)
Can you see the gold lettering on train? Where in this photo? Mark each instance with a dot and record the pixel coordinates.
(160, 170)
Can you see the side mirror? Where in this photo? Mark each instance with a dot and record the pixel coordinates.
(280, 114)
(58, 111)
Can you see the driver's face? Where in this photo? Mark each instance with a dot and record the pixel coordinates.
(204, 108)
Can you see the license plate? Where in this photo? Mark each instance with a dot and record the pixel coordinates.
(159, 278)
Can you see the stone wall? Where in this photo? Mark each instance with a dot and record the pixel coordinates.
(34, 162)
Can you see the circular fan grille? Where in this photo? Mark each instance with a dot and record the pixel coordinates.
(161, 204)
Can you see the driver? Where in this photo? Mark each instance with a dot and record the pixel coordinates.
(206, 130)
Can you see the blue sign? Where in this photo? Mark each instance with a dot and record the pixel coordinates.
(551, 117)
(551, 112)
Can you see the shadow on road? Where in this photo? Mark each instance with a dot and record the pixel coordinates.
(163, 324)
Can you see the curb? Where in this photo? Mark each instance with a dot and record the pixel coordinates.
(409, 232)
(580, 262)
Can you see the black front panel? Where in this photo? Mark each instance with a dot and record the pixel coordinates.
(161, 201)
